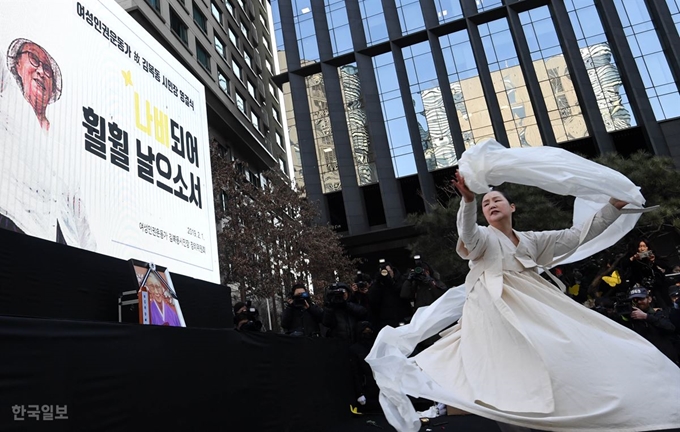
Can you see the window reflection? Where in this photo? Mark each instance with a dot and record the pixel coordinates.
(650, 58)
(373, 20)
(278, 36)
(484, 5)
(323, 135)
(410, 16)
(293, 136)
(357, 125)
(338, 27)
(674, 6)
(468, 96)
(393, 114)
(435, 134)
(553, 76)
(508, 82)
(448, 10)
(599, 60)
(304, 30)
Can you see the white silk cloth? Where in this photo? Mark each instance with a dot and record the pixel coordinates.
(524, 353)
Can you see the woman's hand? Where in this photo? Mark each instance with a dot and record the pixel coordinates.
(617, 203)
(459, 184)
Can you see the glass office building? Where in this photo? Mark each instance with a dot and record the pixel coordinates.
(383, 96)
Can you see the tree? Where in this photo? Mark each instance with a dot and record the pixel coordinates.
(539, 210)
(268, 236)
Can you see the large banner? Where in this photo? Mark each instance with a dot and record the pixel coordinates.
(103, 137)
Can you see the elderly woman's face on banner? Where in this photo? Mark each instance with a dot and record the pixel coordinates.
(35, 70)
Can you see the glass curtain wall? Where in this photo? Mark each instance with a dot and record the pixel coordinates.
(466, 87)
(357, 124)
(373, 19)
(509, 84)
(599, 60)
(448, 10)
(338, 26)
(392, 107)
(426, 96)
(650, 58)
(323, 134)
(553, 75)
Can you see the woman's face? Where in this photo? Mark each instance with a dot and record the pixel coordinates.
(496, 207)
(34, 67)
(642, 247)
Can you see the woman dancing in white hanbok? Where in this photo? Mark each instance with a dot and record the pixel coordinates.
(523, 353)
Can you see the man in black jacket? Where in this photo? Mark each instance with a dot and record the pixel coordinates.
(339, 315)
(387, 306)
(301, 317)
(422, 285)
(653, 325)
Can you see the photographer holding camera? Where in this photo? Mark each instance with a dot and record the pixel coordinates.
(653, 325)
(359, 292)
(387, 306)
(246, 317)
(301, 317)
(649, 270)
(339, 315)
(422, 285)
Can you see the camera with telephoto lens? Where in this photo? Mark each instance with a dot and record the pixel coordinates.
(622, 305)
(383, 272)
(301, 299)
(335, 294)
(252, 316)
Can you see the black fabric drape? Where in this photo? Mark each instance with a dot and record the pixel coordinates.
(126, 377)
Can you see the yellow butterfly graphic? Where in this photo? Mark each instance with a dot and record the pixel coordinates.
(612, 280)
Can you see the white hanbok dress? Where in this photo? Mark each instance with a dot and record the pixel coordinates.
(526, 354)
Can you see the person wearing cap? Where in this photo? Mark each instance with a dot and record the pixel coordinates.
(653, 325)
(37, 74)
(301, 317)
(339, 315)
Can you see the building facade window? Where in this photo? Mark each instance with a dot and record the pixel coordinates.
(651, 60)
(202, 56)
(178, 27)
(230, 7)
(255, 120)
(323, 134)
(223, 81)
(247, 59)
(232, 37)
(305, 32)
(236, 68)
(357, 124)
(200, 19)
(276, 115)
(448, 10)
(553, 76)
(601, 65)
(485, 5)
(244, 29)
(466, 88)
(338, 27)
(273, 91)
(373, 19)
(156, 4)
(509, 85)
(392, 105)
(279, 140)
(219, 47)
(251, 90)
(433, 126)
(216, 12)
(410, 16)
(240, 102)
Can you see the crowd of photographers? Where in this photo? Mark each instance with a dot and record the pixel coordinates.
(355, 313)
(638, 290)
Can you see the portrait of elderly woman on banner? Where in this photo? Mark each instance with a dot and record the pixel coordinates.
(34, 199)
(37, 74)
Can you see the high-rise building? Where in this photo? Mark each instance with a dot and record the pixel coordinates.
(228, 46)
(383, 96)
